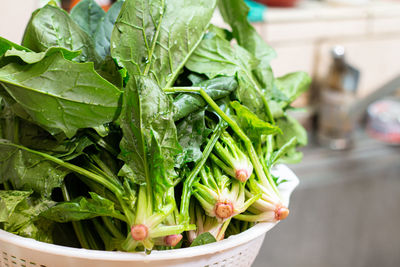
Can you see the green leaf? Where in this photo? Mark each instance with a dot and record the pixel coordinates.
(51, 26)
(109, 71)
(149, 144)
(27, 171)
(292, 85)
(88, 15)
(9, 199)
(253, 126)
(192, 132)
(61, 94)
(216, 88)
(25, 220)
(97, 23)
(157, 37)
(81, 209)
(203, 239)
(291, 128)
(235, 14)
(6, 45)
(215, 56)
(102, 35)
(33, 57)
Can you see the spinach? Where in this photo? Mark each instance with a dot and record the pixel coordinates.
(203, 239)
(27, 171)
(215, 57)
(25, 220)
(251, 124)
(97, 23)
(292, 85)
(235, 13)
(9, 200)
(51, 26)
(61, 94)
(192, 132)
(216, 88)
(157, 37)
(111, 121)
(81, 209)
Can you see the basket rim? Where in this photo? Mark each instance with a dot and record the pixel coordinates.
(9, 240)
(217, 247)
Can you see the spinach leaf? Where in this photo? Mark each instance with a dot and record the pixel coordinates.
(253, 126)
(27, 171)
(157, 37)
(292, 85)
(82, 209)
(215, 56)
(97, 23)
(33, 57)
(52, 26)
(149, 144)
(235, 13)
(61, 94)
(216, 88)
(291, 128)
(25, 221)
(192, 132)
(87, 14)
(9, 199)
(203, 239)
(102, 35)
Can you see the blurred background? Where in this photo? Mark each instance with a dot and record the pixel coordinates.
(346, 211)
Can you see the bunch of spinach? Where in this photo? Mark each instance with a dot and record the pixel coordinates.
(133, 127)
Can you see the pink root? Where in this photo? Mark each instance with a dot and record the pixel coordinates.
(242, 175)
(172, 240)
(224, 210)
(281, 212)
(139, 232)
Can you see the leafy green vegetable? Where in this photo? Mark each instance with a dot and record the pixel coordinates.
(111, 121)
(148, 127)
(33, 57)
(215, 57)
(192, 132)
(25, 220)
(82, 209)
(156, 38)
(251, 124)
(203, 239)
(51, 26)
(292, 85)
(291, 128)
(26, 171)
(235, 13)
(61, 94)
(97, 23)
(216, 88)
(9, 200)
(88, 15)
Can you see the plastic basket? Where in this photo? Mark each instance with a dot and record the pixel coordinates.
(239, 250)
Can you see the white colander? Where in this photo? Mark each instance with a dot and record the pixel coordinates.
(239, 250)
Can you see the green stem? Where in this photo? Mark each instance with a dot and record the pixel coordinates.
(223, 229)
(187, 185)
(7, 185)
(235, 127)
(111, 227)
(101, 180)
(105, 169)
(78, 228)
